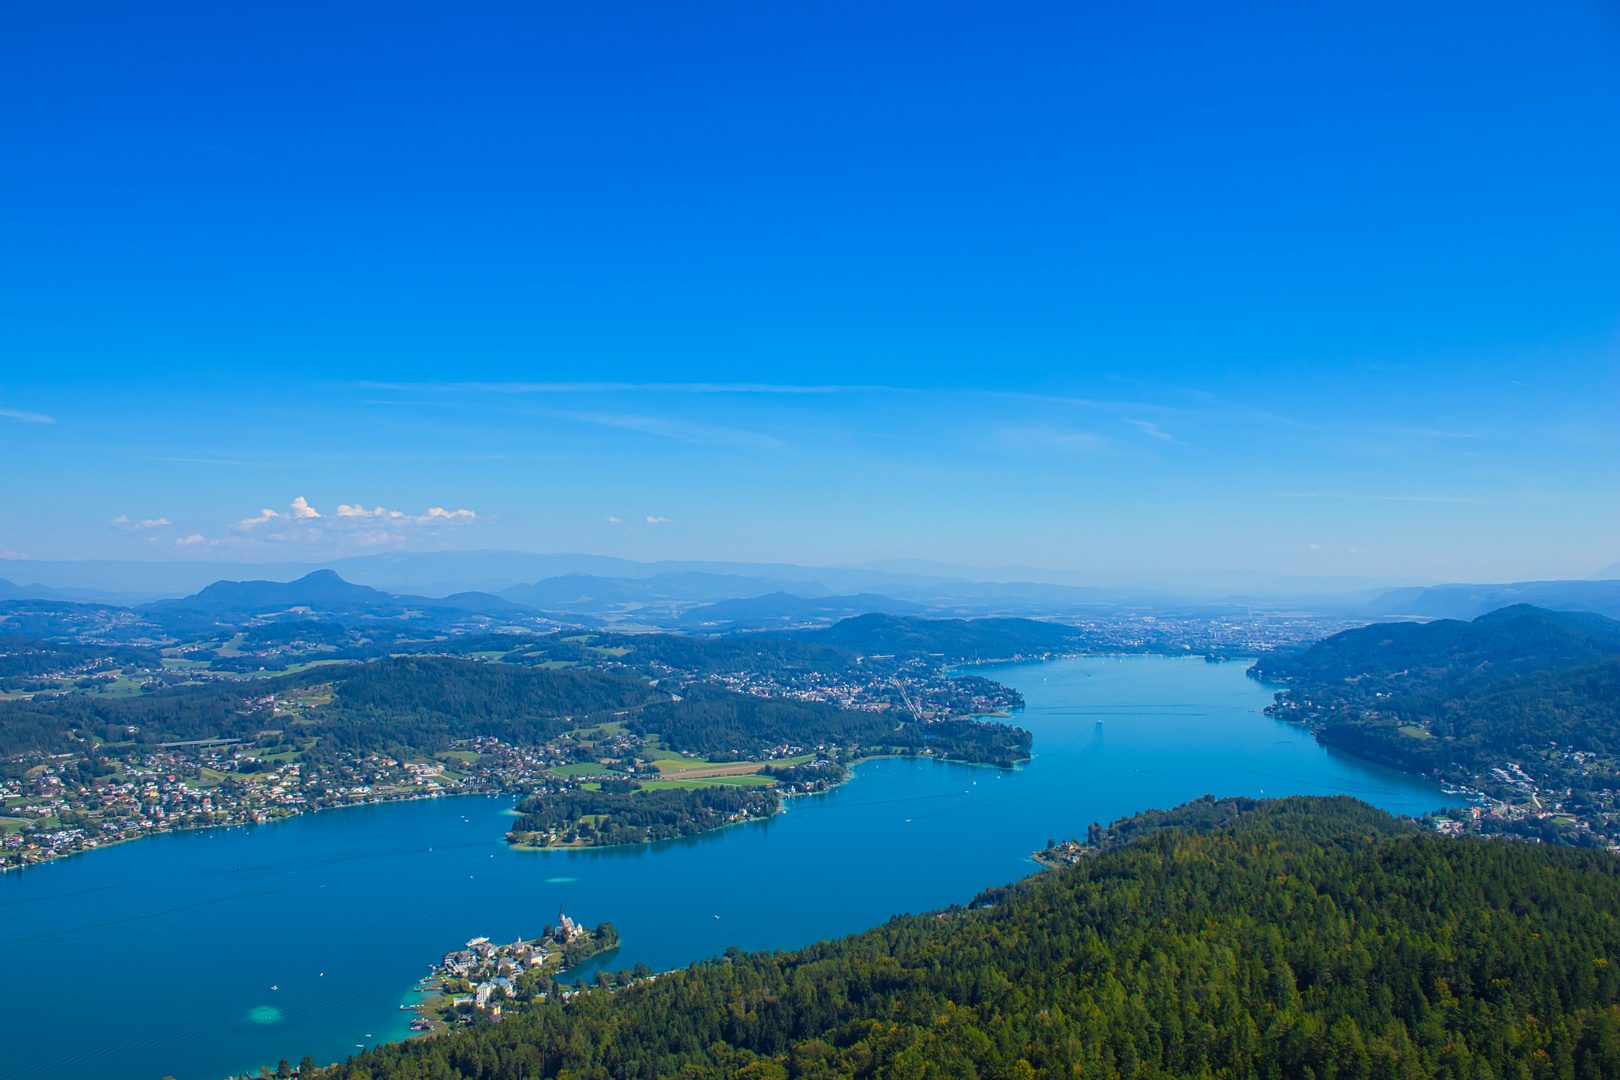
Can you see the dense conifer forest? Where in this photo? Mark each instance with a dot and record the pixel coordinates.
(1303, 938)
(1450, 696)
(619, 814)
(424, 703)
(725, 726)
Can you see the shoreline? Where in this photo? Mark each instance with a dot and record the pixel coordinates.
(850, 766)
(166, 831)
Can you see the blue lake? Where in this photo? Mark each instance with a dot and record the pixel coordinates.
(158, 957)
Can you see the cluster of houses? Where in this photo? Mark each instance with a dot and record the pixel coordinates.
(497, 965)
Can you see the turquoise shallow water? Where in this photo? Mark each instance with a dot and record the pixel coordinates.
(158, 957)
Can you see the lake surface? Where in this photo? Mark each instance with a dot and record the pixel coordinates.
(158, 957)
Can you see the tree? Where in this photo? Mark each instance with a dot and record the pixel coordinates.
(306, 1068)
(284, 1070)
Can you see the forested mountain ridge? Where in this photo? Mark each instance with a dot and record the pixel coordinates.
(1311, 938)
(420, 702)
(726, 727)
(1522, 703)
(1392, 657)
(953, 639)
(23, 657)
(423, 703)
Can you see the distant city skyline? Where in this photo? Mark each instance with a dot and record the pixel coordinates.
(1145, 290)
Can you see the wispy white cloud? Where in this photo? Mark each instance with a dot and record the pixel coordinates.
(654, 520)
(1355, 496)
(700, 434)
(1048, 440)
(624, 387)
(1437, 433)
(614, 521)
(194, 538)
(27, 417)
(1152, 429)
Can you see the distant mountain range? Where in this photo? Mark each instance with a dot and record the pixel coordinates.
(732, 597)
(782, 609)
(322, 591)
(1500, 645)
(951, 639)
(1471, 601)
(933, 584)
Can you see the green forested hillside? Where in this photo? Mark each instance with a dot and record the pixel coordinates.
(1577, 708)
(1401, 657)
(1303, 938)
(1519, 687)
(608, 817)
(427, 702)
(423, 702)
(954, 639)
(21, 657)
(725, 726)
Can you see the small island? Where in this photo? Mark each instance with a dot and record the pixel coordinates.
(482, 978)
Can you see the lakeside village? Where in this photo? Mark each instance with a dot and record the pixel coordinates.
(1516, 804)
(74, 803)
(483, 979)
(1551, 793)
(54, 806)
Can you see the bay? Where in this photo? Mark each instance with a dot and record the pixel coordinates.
(208, 953)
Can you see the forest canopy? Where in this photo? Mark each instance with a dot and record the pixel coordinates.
(1304, 937)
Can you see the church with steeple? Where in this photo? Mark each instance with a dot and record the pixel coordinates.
(567, 929)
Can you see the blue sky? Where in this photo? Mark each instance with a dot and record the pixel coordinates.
(1113, 287)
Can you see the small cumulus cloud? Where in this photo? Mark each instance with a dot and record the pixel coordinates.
(265, 515)
(194, 538)
(350, 523)
(651, 520)
(298, 509)
(27, 417)
(1316, 547)
(614, 521)
(436, 515)
(123, 523)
